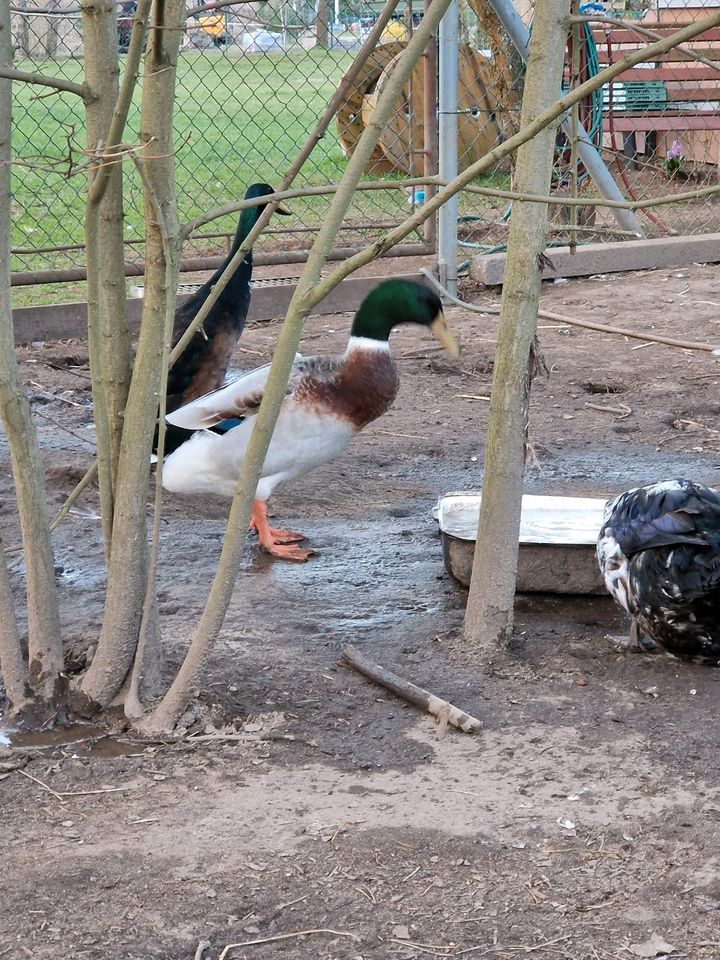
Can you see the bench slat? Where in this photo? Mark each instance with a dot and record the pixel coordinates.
(672, 56)
(623, 122)
(626, 36)
(678, 74)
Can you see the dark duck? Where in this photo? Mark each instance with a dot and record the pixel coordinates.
(203, 365)
(328, 401)
(659, 553)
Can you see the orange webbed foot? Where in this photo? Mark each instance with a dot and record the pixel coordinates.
(278, 543)
(287, 552)
(285, 536)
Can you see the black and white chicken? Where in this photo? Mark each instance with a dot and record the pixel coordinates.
(659, 553)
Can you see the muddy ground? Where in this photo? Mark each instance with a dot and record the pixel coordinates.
(582, 823)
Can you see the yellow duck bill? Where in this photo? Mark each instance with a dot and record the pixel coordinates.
(441, 332)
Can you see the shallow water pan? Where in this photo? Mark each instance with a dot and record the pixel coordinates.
(557, 541)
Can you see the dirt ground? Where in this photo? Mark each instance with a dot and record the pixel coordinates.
(308, 814)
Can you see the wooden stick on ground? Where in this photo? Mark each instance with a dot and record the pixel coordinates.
(406, 690)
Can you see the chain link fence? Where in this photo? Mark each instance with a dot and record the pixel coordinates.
(254, 78)
(252, 82)
(656, 128)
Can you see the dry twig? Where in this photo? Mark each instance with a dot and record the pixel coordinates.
(408, 691)
(574, 322)
(201, 948)
(288, 936)
(623, 410)
(57, 795)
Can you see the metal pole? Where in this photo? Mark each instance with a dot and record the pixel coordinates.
(592, 161)
(430, 120)
(448, 36)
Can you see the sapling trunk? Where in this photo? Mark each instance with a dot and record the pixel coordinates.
(489, 614)
(127, 570)
(44, 643)
(105, 255)
(13, 668)
(172, 705)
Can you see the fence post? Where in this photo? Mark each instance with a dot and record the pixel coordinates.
(430, 125)
(448, 36)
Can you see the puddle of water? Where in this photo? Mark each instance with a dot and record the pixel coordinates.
(85, 740)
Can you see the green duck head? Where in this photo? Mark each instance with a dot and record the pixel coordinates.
(249, 216)
(402, 301)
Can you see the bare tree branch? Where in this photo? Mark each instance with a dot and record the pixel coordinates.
(461, 182)
(58, 83)
(124, 97)
(216, 6)
(643, 32)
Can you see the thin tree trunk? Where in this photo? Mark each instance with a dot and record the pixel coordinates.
(12, 664)
(13, 668)
(489, 614)
(24, 34)
(128, 559)
(321, 24)
(51, 29)
(172, 705)
(44, 644)
(107, 344)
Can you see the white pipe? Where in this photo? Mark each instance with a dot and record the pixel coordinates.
(592, 161)
(448, 43)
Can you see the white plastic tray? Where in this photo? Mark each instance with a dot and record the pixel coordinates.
(547, 520)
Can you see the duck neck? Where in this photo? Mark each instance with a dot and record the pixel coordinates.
(242, 274)
(248, 219)
(367, 344)
(372, 327)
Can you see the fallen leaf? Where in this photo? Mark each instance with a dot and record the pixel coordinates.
(402, 933)
(654, 947)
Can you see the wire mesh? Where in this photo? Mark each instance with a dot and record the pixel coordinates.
(657, 127)
(252, 82)
(253, 79)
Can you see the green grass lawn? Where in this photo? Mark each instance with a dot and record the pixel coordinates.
(238, 118)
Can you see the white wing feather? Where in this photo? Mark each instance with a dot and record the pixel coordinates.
(238, 398)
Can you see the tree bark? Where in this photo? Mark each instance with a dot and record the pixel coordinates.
(172, 705)
(13, 668)
(128, 557)
(106, 192)
(44, 644)
(104, 245)
(51, 29)
(24, 34)
(321, 24)
(489, 614)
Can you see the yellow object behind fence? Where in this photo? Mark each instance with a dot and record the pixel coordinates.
(395, 30)
(214, 26)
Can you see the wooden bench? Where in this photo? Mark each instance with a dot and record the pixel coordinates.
(675, 97)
